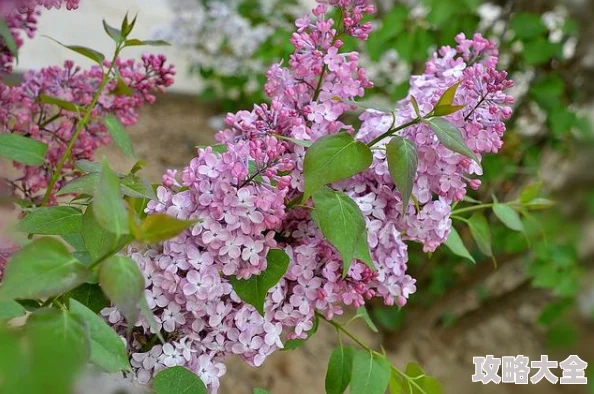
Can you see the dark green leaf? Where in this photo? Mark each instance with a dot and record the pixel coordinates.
(90, 295)
(67, 105)
(402, 162)
(136, 187)
(178, 380)
(371, 375)
(123, 283)
(118, 133)
(527, 25)
(445, 110)
(455, 244)
(479, 228)
(451, 137)
(121, 89)
(52, 221)
(97, 240)
(9, 310)
(331, 159)
(108, 205)
(341, 222)
(340, 369)
(8, 39)
(22, 149)
(56, 335)
(509, 217)
(160, 227)
(107, 349)
(255, 289)
(43, 268)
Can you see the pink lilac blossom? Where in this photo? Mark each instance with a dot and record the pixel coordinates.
(241, 198)
(22, 112)
(20, 17)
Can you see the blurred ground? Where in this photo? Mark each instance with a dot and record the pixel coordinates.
(504, 324)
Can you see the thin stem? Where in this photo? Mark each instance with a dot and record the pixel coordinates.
(394, 130)
(473, 208)
(50, 120)
(79, 128)
(475, 107)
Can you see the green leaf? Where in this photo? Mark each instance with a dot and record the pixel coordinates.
(88, 166)
(89, 295)
(341, 222)
(148, 315)
(451, 138)
(123, 283)
(107, 349)
(447, 98)
(527, 25)
(133, 42)
(395, 384)
(108, 205)
(136, 187)
(538, 204)
(22, 149)
(331, 159)
(363, 314)
(178, 380)
(56, 335)
(52, 221)
(540, 51)
(415, 105)
(254, 290)
(41, 269)
(260, 391)
(455, 244)
(160, 227)
(402, 162)
(118, 133)
(445, 110)
(97, 240)
(86, 184)
(92, 54)
(121, 89)
(340, 369)
(10, 309)
(8, 39)
(419, 383)
(371, 375)
(114, 33)
(67, 105)
(479, 228)
(509, 217)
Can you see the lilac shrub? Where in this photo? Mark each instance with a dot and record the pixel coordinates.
(247, 196)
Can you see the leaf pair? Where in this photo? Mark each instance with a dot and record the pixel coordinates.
(365, 372)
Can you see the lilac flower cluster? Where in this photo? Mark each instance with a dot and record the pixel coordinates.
(20, 17)
(241, 198)
(22, 111)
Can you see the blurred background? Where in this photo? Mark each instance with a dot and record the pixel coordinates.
(540, 297)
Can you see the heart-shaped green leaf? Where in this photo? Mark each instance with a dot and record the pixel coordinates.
(402, 162)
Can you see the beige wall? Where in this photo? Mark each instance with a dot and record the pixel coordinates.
(84, 27)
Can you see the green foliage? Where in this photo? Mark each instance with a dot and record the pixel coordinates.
(7, 38)
(455, 244)
(451, 137)
(22, 149)
(479, 228)
(52, 221)
(371, 374)
(343, 225)
(333, 158)
(123, 283)
(178, 380)
(402, 162)
(118, 133)
(159, 227)
(43, 268)
(340, 369)
(108, 206)
(508, 216)
(107, 349)
(10, 309)
(254, 290)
